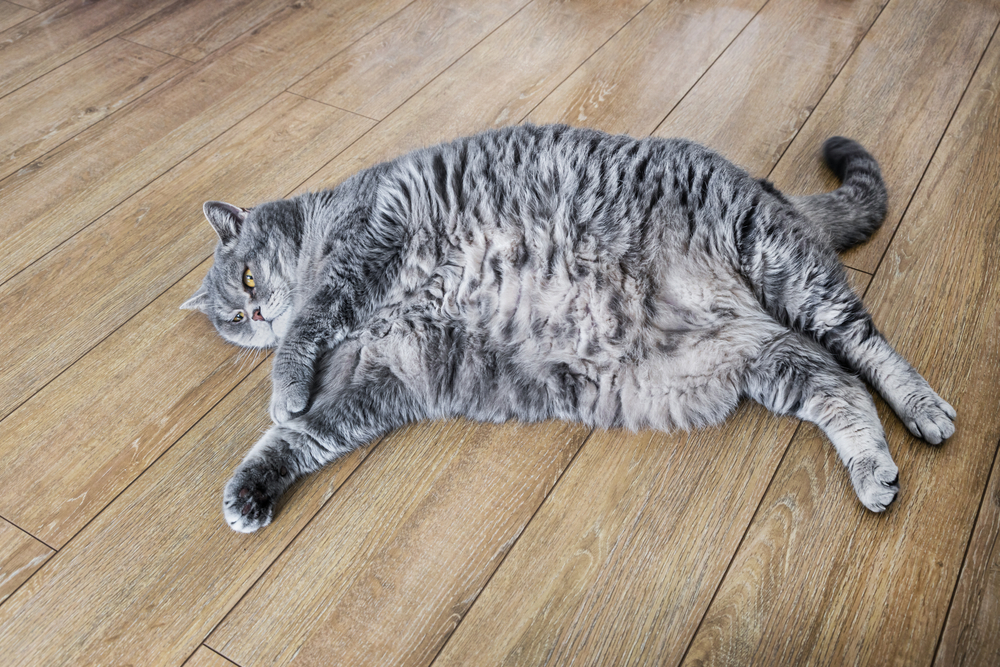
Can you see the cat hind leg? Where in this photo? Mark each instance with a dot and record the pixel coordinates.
(795, 376)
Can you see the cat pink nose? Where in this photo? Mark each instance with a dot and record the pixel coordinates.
(257, 316)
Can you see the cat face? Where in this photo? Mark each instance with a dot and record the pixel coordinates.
(248, 291)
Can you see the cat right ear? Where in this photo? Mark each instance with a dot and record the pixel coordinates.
(225, 219)
(198, 302)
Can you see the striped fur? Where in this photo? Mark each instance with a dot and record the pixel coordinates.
(548, 272)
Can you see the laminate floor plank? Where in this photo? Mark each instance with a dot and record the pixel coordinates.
(20, 556)
(159, 568)
(206, 657)
(757, 95)
(56, 106)
(11, 15)
(593, 587)
(71, 186)
(113, 275)
(101, 441)
(632, 82)
(411, 540)
(382, 70)
(192, 30)
(38, 5)
(523, 61)
(972, 633)
(820, 580)
(931, 51)
(55, 36)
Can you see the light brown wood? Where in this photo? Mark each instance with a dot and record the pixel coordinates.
(633, 81)
(602, 574)
(43, 42)
(757, 95)
(38, 5)
(972, 634)
(822, 581)
(130, 415)
(379, 72)
(192, 30)
(466, 489)
(46, 112)
(522, 61)
(159, 571)
(70, 187)
(206, 657)
(887, 99)
(20, 555)
(11, 15)
(102, 442)
(166, 214)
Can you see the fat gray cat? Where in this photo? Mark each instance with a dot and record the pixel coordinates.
(549, 272)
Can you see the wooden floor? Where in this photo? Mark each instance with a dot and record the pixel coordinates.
(456, 543)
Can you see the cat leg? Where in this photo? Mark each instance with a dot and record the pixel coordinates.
(355, 402)
(805, 286)
(795, 376)
(321, 327)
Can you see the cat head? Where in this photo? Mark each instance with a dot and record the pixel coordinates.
(248, 292)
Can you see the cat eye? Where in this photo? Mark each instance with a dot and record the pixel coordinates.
(248, 278)
(238, 318)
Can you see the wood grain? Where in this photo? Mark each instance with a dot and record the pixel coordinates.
(51, 109)
(192, 30)
(523, 61)
(101, 442)
(20, 556)
(45, 41)
(111, 267)
(604, 571)
(206, 657)
(760, 91)
(159, 568)
(895, 95)
(70, 187)
(632, 82)
(972, 633)
(819, 579)
(468, 489)
(38, 5)
(380, 71)
(11, 15)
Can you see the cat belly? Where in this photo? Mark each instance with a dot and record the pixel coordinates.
(606, 357)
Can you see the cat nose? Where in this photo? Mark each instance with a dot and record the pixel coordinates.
(257, 316)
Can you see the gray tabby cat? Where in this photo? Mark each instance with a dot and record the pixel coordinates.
(548, 272)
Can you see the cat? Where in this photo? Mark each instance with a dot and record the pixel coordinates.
(549, 272)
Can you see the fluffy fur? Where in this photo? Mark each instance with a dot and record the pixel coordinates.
(548, 272)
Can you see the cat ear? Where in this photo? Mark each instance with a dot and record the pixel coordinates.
(198, 302)
(225, 219)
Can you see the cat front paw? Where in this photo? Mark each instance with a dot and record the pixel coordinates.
(251, 494)
(288, 401)
(875, 478)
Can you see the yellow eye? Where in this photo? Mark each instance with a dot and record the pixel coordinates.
(248, 278)
(238, 318)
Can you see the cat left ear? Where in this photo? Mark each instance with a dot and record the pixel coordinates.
(225, 219)
(198, 302)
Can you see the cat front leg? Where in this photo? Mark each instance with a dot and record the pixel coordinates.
(357, 398)
(294, 370)
(795, 376)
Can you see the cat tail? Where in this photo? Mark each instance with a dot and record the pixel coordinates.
(855, 210)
